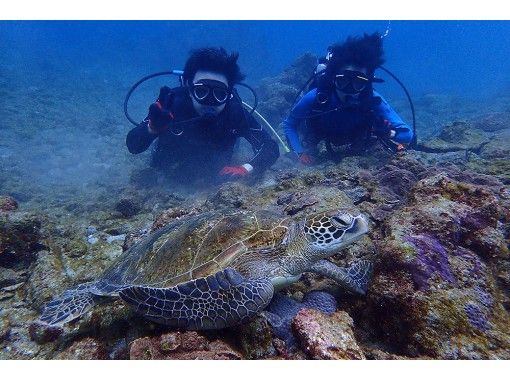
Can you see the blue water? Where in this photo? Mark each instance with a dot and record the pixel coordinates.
(62, 83)
(456, 57)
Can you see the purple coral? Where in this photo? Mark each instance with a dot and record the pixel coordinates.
(476, 317)
(477, 266)
(483, 297)
(431, 258)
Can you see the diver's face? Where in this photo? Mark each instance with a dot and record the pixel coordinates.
(209, 92)
(351, 80)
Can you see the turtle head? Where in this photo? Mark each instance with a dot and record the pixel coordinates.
(331, 231)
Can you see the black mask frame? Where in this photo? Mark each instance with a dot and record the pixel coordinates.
(210, 92)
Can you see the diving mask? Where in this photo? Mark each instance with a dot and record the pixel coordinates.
(351, 82)
(210, 92)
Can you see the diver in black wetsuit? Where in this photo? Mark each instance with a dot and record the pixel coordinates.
(198, 124)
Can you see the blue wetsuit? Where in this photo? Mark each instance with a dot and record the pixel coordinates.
(346, 125)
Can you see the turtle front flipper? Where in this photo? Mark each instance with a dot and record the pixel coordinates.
(72, 304)
(354, 278)
(217, 301)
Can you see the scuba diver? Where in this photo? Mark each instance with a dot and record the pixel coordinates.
(198, 124)
(343, 108)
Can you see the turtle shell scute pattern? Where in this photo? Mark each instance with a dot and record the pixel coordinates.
(196, 247)
(217, 301)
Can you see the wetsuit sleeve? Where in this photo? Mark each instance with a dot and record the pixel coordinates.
(300, 111)
(139, 139)
(265, 148)
(383, 111)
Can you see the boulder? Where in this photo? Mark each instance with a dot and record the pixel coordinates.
(8, 203)
(434, 292)
(85, 349)
(20, 235)
(458, 136)
(181, 345)
(324, 336)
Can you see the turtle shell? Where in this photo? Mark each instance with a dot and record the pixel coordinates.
(195, 247)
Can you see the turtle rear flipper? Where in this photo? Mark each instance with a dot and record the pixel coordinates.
(354, 278)
(217, 301)
(72, 304)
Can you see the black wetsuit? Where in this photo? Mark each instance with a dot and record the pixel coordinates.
(201, 148)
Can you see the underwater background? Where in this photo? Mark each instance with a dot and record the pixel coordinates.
(63, 82)
(455, 57)
(72, 198)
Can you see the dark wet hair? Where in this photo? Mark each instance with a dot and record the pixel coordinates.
(366, 51)
(216, 60)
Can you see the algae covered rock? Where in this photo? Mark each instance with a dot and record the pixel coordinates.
(5, 328)
(20, 238)
(86, 349)
(46, 279)
(494, 157)
(231, 195)
(256, 339)
(9, 277)
(498, 147)
(434, 292)
(457, 136)
(326, 336)
(8, 203)
(188, 345)
(492, 122)
(128, 206)
(282, 310)
(44, 333)
(314, 199)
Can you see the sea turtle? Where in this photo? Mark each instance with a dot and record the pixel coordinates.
(211, 271)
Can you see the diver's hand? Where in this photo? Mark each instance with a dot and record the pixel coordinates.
(306, 159)
(159, 118)
(233, 172)
(385, 130)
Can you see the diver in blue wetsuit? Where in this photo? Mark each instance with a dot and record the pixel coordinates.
(344, 109)
(198, 124)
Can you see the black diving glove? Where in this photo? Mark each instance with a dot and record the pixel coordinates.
(159, 116)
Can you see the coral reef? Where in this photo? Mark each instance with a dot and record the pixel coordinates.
(434, 290)
(439, 239)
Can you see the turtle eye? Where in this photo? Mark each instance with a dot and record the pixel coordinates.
(342, 221)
